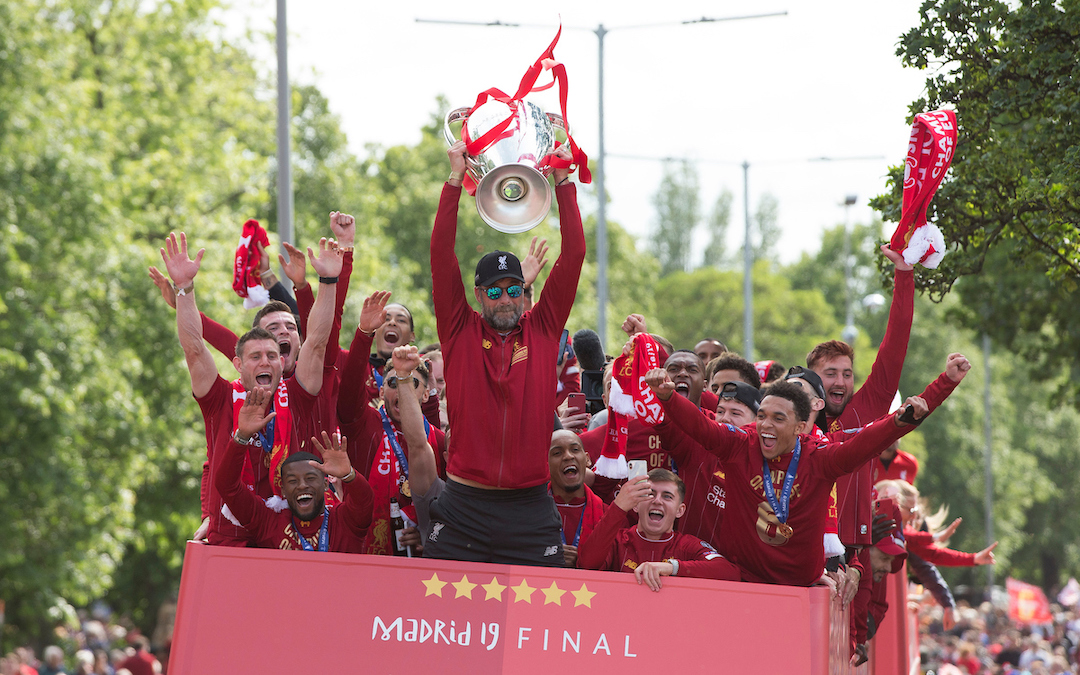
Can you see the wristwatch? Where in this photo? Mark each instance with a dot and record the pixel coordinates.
(241, 441)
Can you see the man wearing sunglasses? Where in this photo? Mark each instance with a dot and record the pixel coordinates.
(500, 374)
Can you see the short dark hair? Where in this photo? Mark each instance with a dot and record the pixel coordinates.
(794, 393)
(433, 347)
(270, 308)
(664, 343)
(829, 350)
(723, 347)
(412, 323)
(665, 476)
(255, 333)
(732, 361)
(299, 457)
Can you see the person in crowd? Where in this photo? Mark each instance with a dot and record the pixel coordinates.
(652, 549)
(845, 408)
(142, 662)
(730, 367)
(769, 371)
(579, 508)
(894, 463)
(308, 524)
(259, 362)
(53, 661)
(709, 349)
(778, 539)
(500, 365)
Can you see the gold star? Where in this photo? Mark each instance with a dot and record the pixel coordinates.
(464, 587)
(434, 585)
(553, 594)
(583, 596)
(494, 590)
(523, 592)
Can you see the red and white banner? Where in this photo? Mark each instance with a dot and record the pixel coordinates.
(1027, 603)
(257, 610)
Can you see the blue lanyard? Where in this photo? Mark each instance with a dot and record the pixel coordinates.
(324, 533)
(577, 536)
(391, 437)
(267, 439)
(781, 508)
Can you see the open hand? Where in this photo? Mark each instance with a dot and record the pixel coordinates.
(535, 262)
(335, 458)
(948, 531)
(329, 260)
(295, 267)
(252, 416)
(373, 312)
(164, 285)
(181, 268)
(986, 556)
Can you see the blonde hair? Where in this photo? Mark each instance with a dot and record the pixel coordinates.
(907, 497)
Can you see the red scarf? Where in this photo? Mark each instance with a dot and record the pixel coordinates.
(558, 72)
(383, 479)
(930, 152)
(282, 435)
(628, 375)
(246, 281)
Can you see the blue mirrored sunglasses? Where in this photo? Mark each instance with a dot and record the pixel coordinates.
(494, 292)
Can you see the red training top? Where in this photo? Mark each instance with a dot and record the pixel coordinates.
(500, 389)
(618, 548)
(903, 467)
(274, 529)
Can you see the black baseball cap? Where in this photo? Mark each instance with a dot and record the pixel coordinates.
(800, 373)
(497, 265)
(741, 392)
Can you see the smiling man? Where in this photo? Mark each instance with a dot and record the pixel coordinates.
(652, 549)
(579, 508)
(778, 482)
(501, 380)
(307, 524)
(259, 363)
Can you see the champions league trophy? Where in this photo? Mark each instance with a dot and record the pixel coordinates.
(512, 191)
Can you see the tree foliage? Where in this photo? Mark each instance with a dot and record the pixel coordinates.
(1010, 206)
(716, 254)
(678, 211)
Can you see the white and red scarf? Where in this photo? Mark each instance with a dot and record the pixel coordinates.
(282, 435)
(628, 375)
(385, 481)
(246, 280)
(831, 541)
(930, 152)
(477, 146)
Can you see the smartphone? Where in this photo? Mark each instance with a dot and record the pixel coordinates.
(575, 402)
(637, 467)
(884, 506)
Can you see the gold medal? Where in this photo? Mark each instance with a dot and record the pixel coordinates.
(785, 530)
(407, 492)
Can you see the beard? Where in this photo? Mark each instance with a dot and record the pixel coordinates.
(504, 320)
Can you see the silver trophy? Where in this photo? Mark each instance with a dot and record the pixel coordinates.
(512, 193)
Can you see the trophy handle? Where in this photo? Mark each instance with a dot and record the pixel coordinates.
(461, 115)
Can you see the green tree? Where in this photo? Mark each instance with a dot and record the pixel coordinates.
(1011, 203)
(719, 219)
(677, 215)
(767, 227)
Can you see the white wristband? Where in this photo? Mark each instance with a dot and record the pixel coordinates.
(674, 567)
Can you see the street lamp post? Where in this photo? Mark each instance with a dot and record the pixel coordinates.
(850, 332)
(284, 177)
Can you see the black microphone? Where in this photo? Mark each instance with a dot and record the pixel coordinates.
(591, 360)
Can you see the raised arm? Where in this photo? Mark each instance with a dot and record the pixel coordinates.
(309, 364)
(722, 440)
(295, 269)
(842, 458)
(553, 307)
(448, 292)
(884, 379)
(423, 469)
(219, 337)
(353, 392)
(356, 509)
(182, 270)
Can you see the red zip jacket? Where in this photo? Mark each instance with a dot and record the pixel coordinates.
(500, 390)
(871, 401)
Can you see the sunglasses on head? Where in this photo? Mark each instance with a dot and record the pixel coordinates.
(494, 292)
(392, 382)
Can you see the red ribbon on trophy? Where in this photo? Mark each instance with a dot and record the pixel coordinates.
(930, 152)
(546, 61)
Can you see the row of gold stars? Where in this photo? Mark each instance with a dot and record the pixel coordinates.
(493, 590)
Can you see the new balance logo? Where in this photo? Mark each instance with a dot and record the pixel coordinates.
(551, 550)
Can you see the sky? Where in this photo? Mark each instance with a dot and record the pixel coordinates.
(777, 92)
